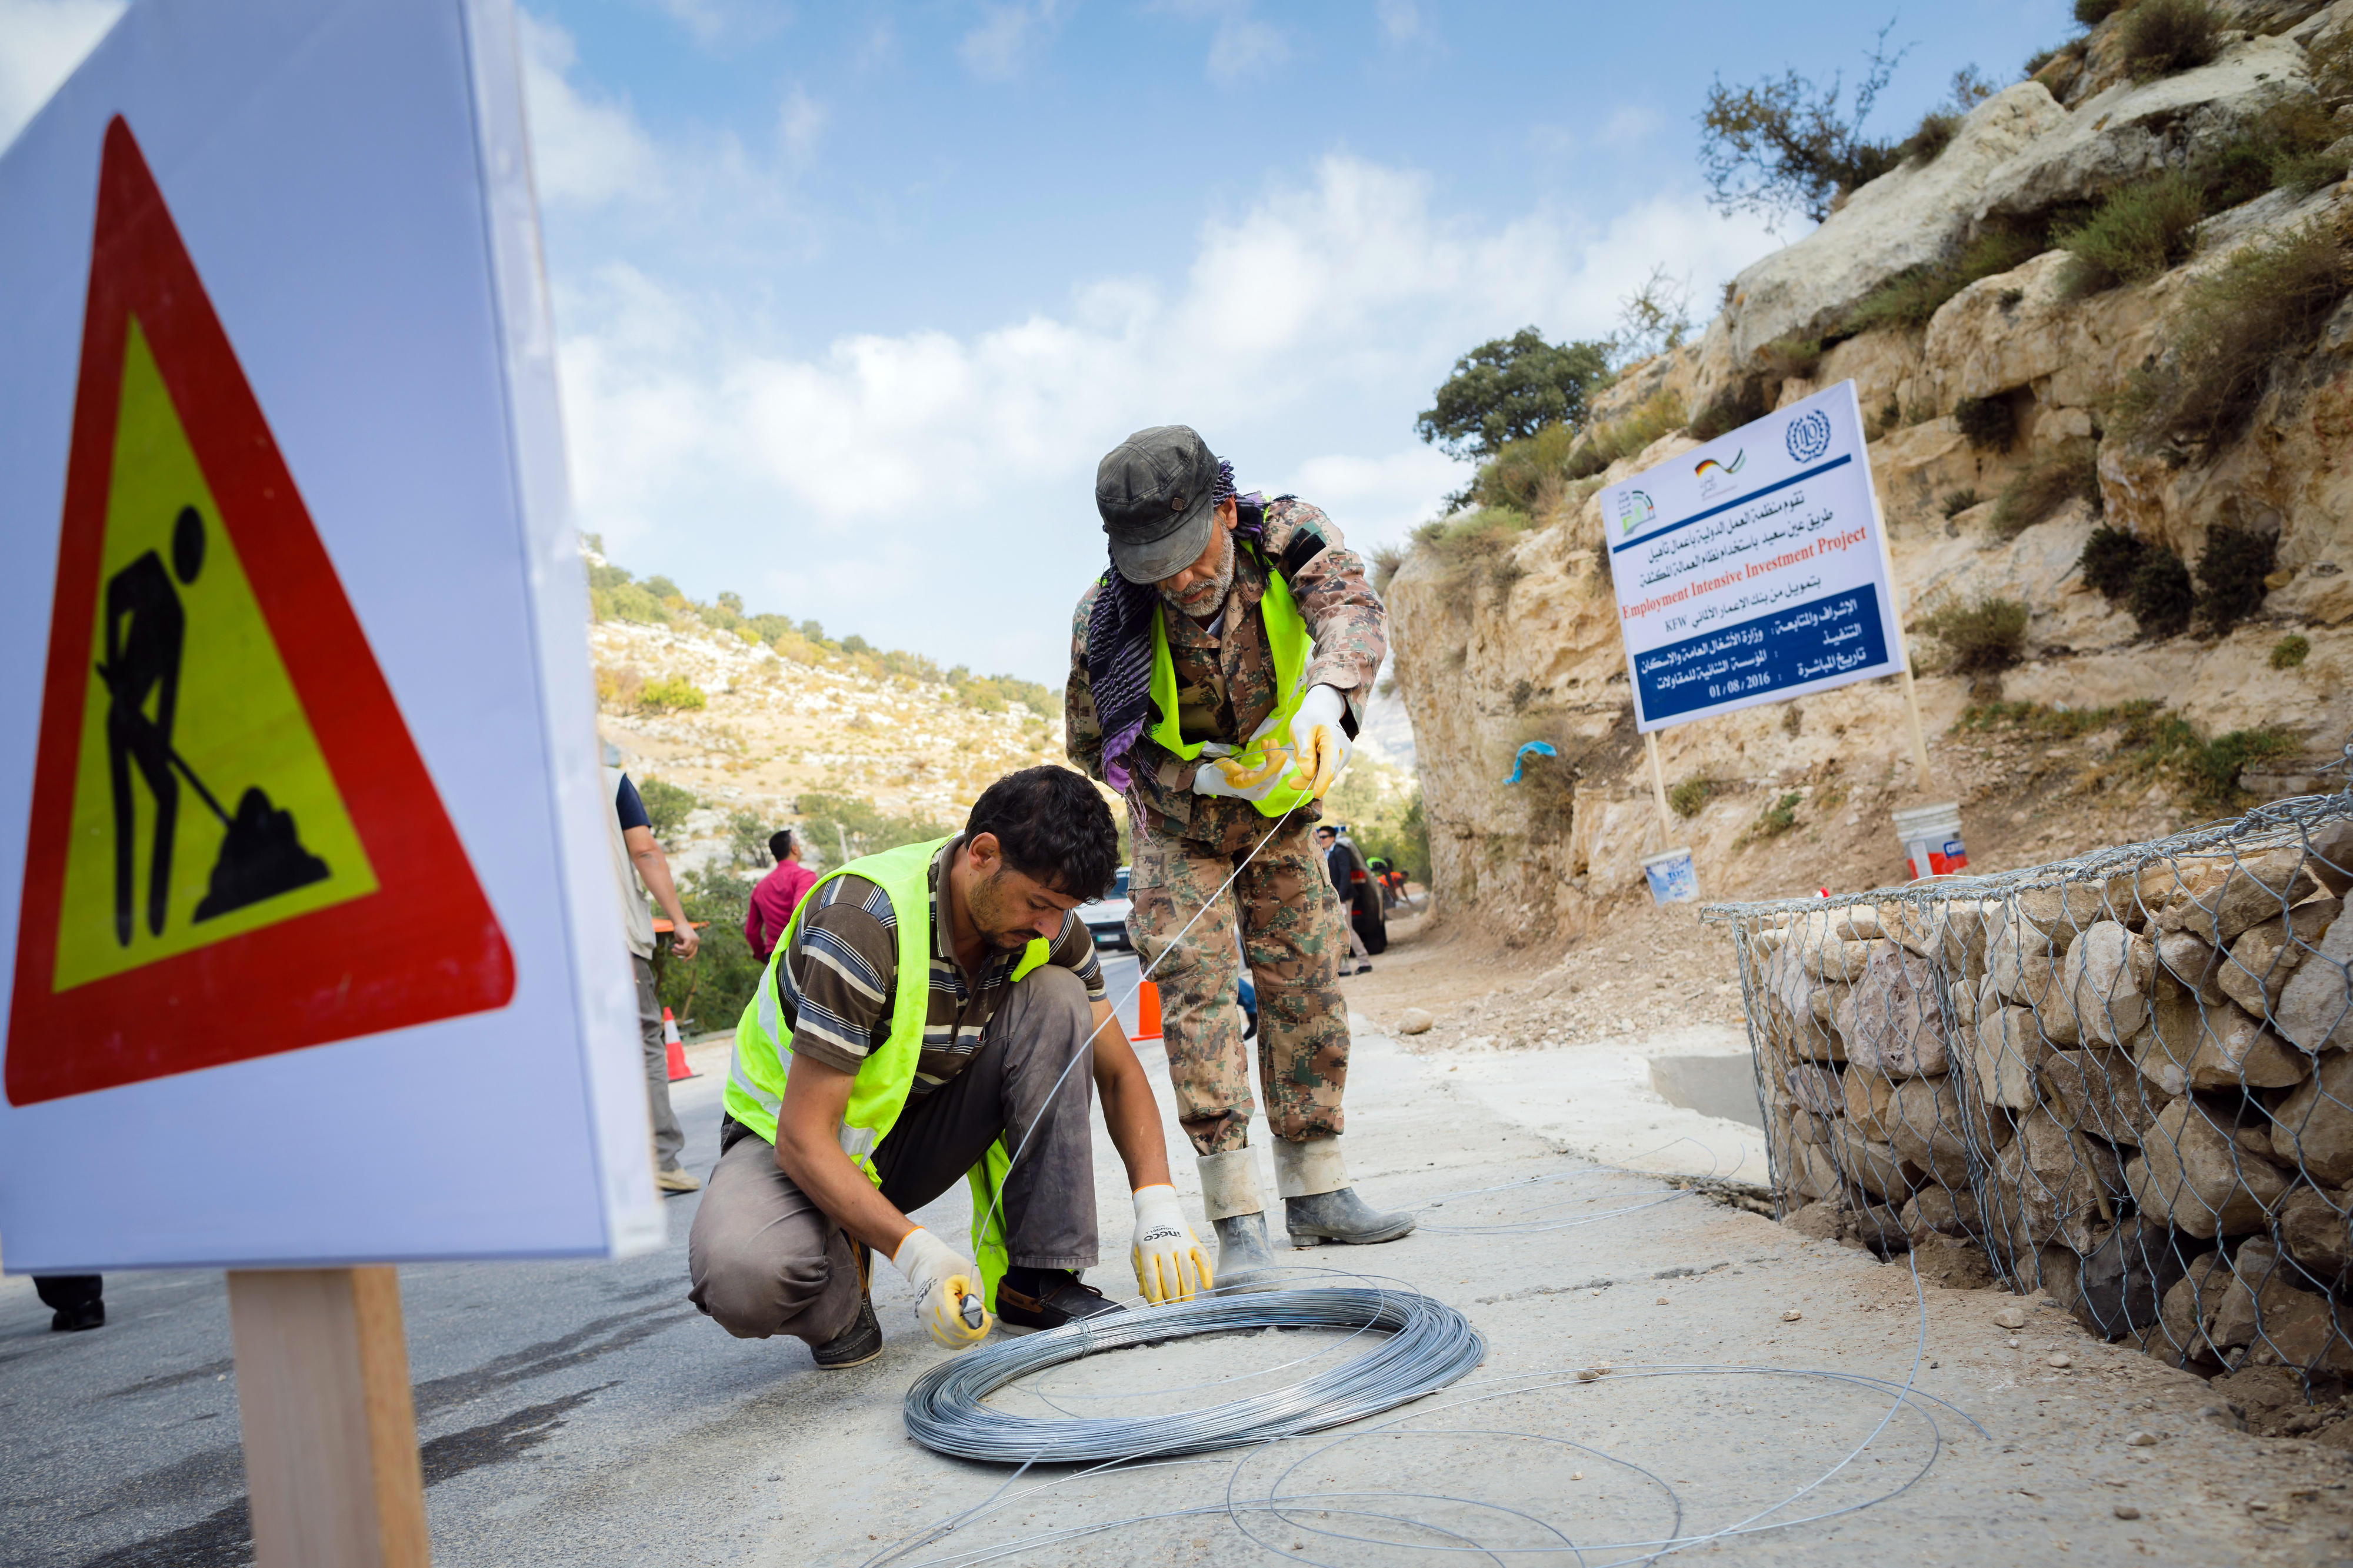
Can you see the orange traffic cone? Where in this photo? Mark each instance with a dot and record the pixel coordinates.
(1147, 1011)
(677, 1049)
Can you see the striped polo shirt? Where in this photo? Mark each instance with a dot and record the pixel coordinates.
(841, 971)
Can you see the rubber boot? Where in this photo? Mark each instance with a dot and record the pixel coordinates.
(1319, 1205)
(1230, 1197)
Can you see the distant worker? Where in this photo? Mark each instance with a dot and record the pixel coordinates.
(1339, 860)
(1215, 670)
(776, 897)
(639, 867)
(925, 1019)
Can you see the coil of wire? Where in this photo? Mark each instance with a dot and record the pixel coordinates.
(1424, 1345)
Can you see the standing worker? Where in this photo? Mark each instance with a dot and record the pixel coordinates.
(1215, 672)
(925, 1018)
(779, 893)
(1339, 860)
(638, 867)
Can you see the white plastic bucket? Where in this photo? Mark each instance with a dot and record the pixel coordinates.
(1931, 835)
(1669, 872)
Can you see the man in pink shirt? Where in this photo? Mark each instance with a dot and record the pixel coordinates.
(779, 894)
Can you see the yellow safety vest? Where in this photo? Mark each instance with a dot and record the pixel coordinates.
(755, 1077)
(1287, 638)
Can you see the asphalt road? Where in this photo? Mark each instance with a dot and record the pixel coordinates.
(585, 1414)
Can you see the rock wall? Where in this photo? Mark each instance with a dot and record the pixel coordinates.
(1515, 640)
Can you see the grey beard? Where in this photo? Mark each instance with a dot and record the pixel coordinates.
(1224, 581)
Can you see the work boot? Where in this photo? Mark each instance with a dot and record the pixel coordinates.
(1047, 1299)
(1230, 1197)
(82, 1315)
(1318, 1203)
(862, 1341)
(677, 1179)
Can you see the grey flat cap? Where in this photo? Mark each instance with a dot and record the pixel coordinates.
(1156, 492)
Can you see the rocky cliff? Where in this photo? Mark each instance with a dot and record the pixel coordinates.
(2028, 393)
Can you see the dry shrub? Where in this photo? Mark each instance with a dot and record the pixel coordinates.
(2290, 651)
(2044, 486)
(2268, 301)
(1911, 297)
(1958, 501)
(2162, 36)
(1790, 356)
(1604, 443)
(1981, 637)
(1988, 424)
(1687, 797)
(1736, 406)
(2140, 230)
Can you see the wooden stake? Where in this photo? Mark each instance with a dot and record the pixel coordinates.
(1919, 731)
(330, 1427)
(1659, 788)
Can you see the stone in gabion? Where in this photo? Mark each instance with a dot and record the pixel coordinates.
(2126, 1275)
(2195, 1174)
(2315, 1008)
(2100, 1092)
(2195, 1046)
(2268, 953)
(2098, 978)
(1891, 1020)
(2313, 1127)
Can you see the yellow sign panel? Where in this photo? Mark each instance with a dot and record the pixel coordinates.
(203, 807)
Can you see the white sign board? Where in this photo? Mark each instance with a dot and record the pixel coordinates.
(313, 928)
(1754, 569)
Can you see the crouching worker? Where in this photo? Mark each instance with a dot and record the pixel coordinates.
(937, 1000)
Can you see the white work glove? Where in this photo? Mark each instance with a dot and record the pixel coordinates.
(947, 1289)
(1168, 1257)
(1315, 737)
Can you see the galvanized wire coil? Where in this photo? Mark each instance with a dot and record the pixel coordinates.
(1426, 1345)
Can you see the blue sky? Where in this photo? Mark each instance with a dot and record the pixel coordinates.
(851, 297)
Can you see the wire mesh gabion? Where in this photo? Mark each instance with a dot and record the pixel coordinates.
(2128, 1076)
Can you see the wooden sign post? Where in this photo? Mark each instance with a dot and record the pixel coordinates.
(331, 1462)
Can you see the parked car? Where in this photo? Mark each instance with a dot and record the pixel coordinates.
(1107, 916)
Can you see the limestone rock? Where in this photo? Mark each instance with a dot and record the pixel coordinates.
(1944, 1211)
(2269, 952)
(2312, 1129)
(1891, 1022)
(2101, 1092)
(1809, 1172)
(1958, 931)
(1913, 216)
(2137, 128)
(2005, 1052)
(1870, 1165)
(2192, 1172)
(2316, 1226)
(2053, 1187)
(2188, 1304)
(2193, 1045)
(1816, 1090)
(2065, 909)
(1867, 1096)
(2126, 1275)
(1835, 960)
(2021, 961)
(1880, 1228)
(2316, 1007)
(1924, 1126)
(2098, 976)
(2264, 1302)
(2219, 899)
(2189, 965)
(2328, 854)
(1415, 1021)
(1808, 1128)
(1860, 922)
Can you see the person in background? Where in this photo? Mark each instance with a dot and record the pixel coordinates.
(74, 1300)
(777, 896)
(639, 867)
(1338, 861)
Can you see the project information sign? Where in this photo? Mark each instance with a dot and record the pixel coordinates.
(1754, 569)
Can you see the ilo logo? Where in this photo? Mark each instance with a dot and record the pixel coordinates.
(1809, 436)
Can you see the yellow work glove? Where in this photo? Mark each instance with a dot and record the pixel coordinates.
(947, 1290)
(1315, 740)
(1169, 1266)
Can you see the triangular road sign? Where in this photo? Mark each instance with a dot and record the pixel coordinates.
(234, 848)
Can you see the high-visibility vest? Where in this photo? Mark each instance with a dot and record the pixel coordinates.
(755, 1077)
(1287, 638)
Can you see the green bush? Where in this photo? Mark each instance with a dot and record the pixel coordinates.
(628, 601)
(1507, 389)
(2162, 36)
(1790, 356)
(2268, 301)
(2150, 743)
(666, 804)
(830, 820)
(2045, 485)
(2230, 572)
(1687, 797)
(1773, 821)
(1736, 406)
(2139, 231)
(2110, 558)
(2092, 13)
(1936, 132)
(1988, 424)
(1958, 501)
(2159, 595)
(1911, 297)
(1983, 636)
(2290, 651)
(670, 693)
(710, 993)
(1604, 443)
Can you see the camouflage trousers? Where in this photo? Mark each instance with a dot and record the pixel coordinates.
(1293, 928)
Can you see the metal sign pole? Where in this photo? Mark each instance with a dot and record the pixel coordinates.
(331, 1462)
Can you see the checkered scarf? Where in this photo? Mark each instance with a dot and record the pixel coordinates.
(1119, 647)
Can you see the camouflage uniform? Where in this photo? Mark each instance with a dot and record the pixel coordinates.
(1187, 845)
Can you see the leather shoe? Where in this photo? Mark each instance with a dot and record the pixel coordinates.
(1059, 1296)
(862, 1341)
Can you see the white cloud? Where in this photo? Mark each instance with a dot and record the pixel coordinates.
(801, 123)
(932, 491)
(585, 151)
(1001, 45)
(1401, 22)
(41, 42)
(1244, 47)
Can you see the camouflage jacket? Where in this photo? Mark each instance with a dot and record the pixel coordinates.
(1225, 685)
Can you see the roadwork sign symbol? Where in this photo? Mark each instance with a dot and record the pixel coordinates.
(234, 848)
